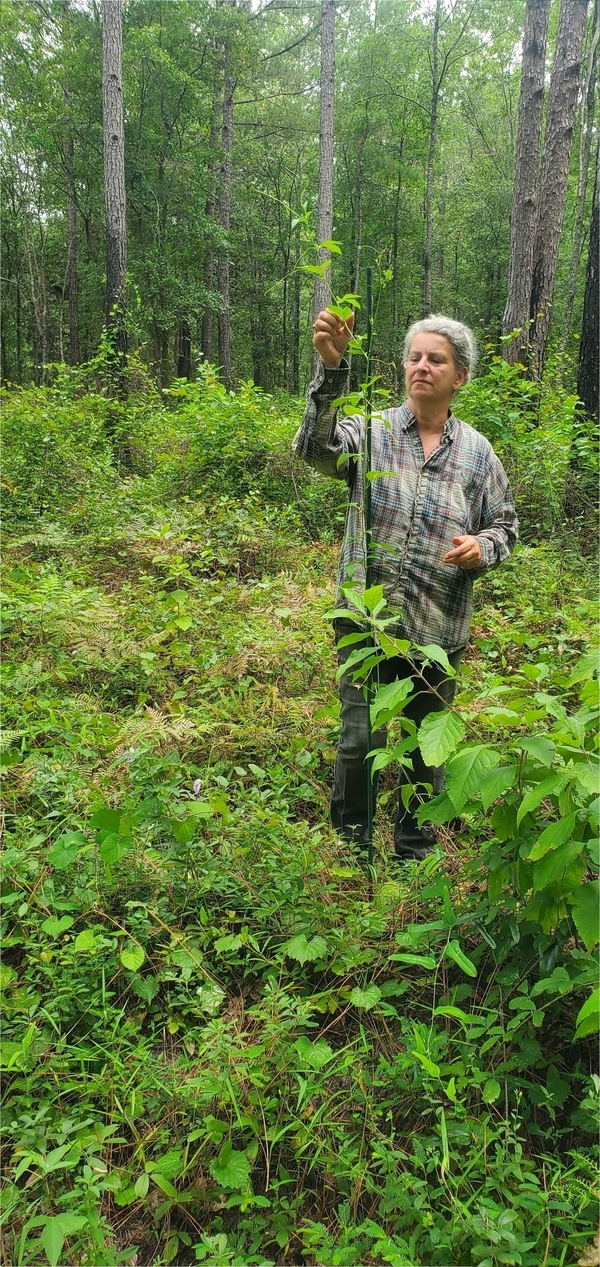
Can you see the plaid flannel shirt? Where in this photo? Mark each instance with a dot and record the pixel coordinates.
(417, 507)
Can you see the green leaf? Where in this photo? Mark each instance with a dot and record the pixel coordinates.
(141, 1186)
(106, 819)
(318, 270)
(184, 829)
(132, 957)
(388, 701)
(330, 245)
(558, 983)
(548, 787)
(164, 1185)
(586, 913)
(86, 941)
(448, 1009)
(210, 998)
(439, 810)
(495, 783)
(65, 850)
(588, 1016)
(53, 1239)
(231, 1169)
(449, 916)
(539, 747)
(365, 999)
(419, 961)
(554, 835)
(556, 867)
(313, 1054)
(113, 848)
(55, 926)
(454, 951)
(439, 736)
(585, 668)
(439, 656)
(587, 774)
(465, 770)
(491, 1091)
(340, 310)
(427, 1064)
(146, 988)
(303, 950)
(7, 975)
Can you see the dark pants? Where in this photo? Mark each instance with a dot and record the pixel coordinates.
(350, 782)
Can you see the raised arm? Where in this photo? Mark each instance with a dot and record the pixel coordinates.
(325, 441)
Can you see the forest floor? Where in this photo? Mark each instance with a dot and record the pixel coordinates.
(225, 1043)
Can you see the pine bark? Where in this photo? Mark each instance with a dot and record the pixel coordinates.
(525, 204)
(224, 317)
(326, 142)
(433, 120)
(562, 106)
(588, 378)
(114, 175)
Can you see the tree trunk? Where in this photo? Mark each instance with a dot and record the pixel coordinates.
(206, 339)
(395, 352)
(295, 359)
(435, 91)
(326, 138)
(562, 105)
(589, 359)
(524, 206)
(74, 353)
(183, 360)
(114, 180)
(585, 152)
(224, 317)
(358, 202)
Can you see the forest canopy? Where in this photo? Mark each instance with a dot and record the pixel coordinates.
(221, 155)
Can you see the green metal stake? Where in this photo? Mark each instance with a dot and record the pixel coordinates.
(368, 544)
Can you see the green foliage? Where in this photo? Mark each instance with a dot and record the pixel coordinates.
(212, 1018)
(549, 452)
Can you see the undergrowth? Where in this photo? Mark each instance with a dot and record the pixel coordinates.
(222, 1042)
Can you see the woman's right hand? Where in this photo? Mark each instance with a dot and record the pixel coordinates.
(331, 337)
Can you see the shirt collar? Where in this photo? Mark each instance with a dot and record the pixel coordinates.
(407, 419)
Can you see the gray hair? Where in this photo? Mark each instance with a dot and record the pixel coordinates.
(460, 338)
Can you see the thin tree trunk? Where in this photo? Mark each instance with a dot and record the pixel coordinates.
(114, 180)
(585, 152)
(433, 118)
(74, 353)
(524, 206)
(395, 244)
(326, 140)
(562, 105)
(19, 331)
(358, 202)
(224, 317)
(295, 360)
(39, 302)
(589, 359)
(183, 359)
(206, 339)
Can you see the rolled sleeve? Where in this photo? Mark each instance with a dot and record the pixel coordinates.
(323, 441)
